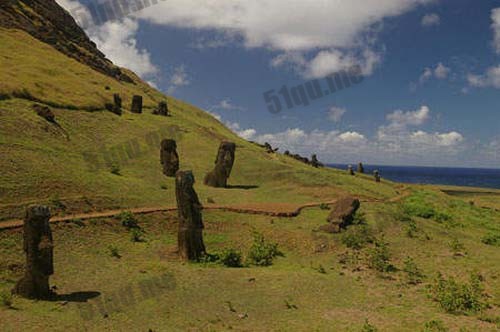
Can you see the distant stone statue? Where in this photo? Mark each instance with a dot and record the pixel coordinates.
(350, 170)
(341, 215)
(38, 248)
(376, 175)
(315, 162)
(269, 148)
(162, 109)
(190, 233)
(361, 168)
(117, 104)
(136, 104)
(223, 166)
(169, 157)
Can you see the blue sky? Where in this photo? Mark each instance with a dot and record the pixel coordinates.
(431, 72)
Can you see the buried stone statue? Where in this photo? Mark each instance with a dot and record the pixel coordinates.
(223, 166)
(38, 248)
(169, 157)
(341, 215)
(190, 233)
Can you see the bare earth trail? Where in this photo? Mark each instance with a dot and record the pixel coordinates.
(286, 210)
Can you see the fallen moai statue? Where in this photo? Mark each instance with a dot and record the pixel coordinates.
(341, 215)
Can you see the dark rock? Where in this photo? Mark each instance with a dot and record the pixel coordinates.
(223, 166)
(190, 233)
(361, 168)
(269, 148)
(287, 153)
(376, 175)
(162, 109)
(341, 215)
(38, 247)
(45, 113)
(169, 157)
(136, 104)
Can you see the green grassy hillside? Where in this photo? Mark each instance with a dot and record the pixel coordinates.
(42, 161)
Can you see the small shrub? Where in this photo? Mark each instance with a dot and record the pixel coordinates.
(402, 215)
(492, 239)
(455, 297)
(136, 235)
(457, 247)
(321, 269)
(4, 96)
(231, 258)
(128, 220)
(419, 210)
(6, 299)
(435, 326)
(163, 187)
(57, 203)
(442, 217)
(209, 258)
(367, 327)
(324, 206)
(379, 257)
(113, 251)
(359, 218)
(412, 229)
(115, 169)
(413, 273)
(357, 237)
(262, 253)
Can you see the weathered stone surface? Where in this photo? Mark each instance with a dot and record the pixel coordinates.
(162, 109)
(361, 168)
(169, 157)
(45, 113)
(341, 215)
(350, 170)
(223, 166)
(190, 233)
(38, 247)
(376, 175)
(136, 104)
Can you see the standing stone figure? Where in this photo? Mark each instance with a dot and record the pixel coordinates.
(376, 174)
(162, 109)
(190, 234)
(315, 162)
(361, 168)
(117, 105)
(136, 104)
(350, 170)
(169, 157)
(223, 166)
(38, 247)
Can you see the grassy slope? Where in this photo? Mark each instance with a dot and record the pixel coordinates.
(45, 161)
(39, 162)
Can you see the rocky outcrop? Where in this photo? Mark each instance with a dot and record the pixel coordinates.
(190, 233)
(223, 166)
(46, 21)
(169, 157)
(38, 248)
(342, 215)
(45, 112)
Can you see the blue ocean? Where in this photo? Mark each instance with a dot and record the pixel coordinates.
(469, 177)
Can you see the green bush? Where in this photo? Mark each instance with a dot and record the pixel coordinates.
(231, 258)
(435, 326)
(457, 247)
(262, 253)
(128, 220)
(324, 206)
(412, 229)
(413, 273)
(114, 252)
(367, 327)
(359, 218)
(456, 297)
(379, 257)
(6, 299)
(357, 237)
(115, 169)
(492, 239)
(136, 235)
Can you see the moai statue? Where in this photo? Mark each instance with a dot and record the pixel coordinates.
(190, 234)
(315, 162)
(117, 104)
(169, 157)
(287, 153)
(162, 109)
(136, 104)
(376, 174)
(361, 168)
(38, 247)
(350, 170)
(342, 215)
(223, 166)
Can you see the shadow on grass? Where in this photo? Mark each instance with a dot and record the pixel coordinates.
(76, 296)
(244, 187)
